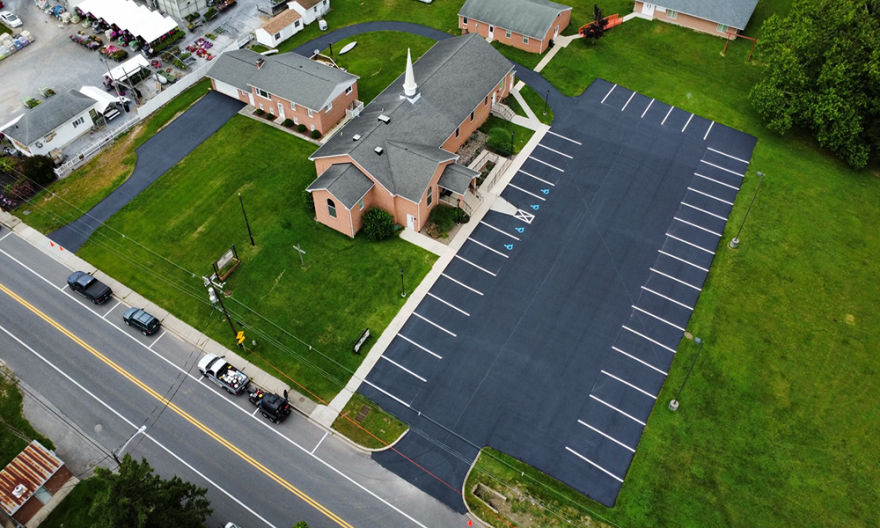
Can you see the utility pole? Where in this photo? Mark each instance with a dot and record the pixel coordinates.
(213, 293)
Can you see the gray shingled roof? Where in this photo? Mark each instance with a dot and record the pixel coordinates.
(49, 115)
(454, 77)
(345, 182)
(290, 76)
(528, 17)
(457, 178)
(732, 13)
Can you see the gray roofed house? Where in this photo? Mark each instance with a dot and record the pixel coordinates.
(345, 182)
(52, 124)
(526, 17)
(732, 13)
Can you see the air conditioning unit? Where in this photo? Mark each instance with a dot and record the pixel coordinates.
(355, 137)
(378, 150)
(384, 118)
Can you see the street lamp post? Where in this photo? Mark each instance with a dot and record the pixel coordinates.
(546, 98)
(734, 243)
(402, 287)
(673, 404)
(248, 224)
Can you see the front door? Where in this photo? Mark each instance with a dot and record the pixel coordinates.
(251, 98)
(281, 111)
(410, 222)
(493, 98)
(491, 31)
(648, 9)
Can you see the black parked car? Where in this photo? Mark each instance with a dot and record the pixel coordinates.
(141, 320)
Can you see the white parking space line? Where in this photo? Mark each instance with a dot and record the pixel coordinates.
(683, 241)
(670, 299)
(616, 441)
(481, 268)
(697, 226)
(728, 155)
(536, 178)
(556, 151)
(432, 323)
(645, 363)
(710, 213)
(627, 101)
(657, 317)
(463, 285)
(628, 384)
(449, 304)
(401, 367)
(565, 138)
(667, 116)
(646, 109)
(487, 247)
(255, 411)
(606, 95)
(545, 163)
(734, 187)
(606, 404)
(722, 168)
(321, 441)
(709, 130)
(6, 235)
(709, 196)
(499, 230)
(646, 338)
(413, 343)
(595, 465)
(688, 122)
(689, 263)
(527, 192)
(676, 279)
(158, 337)
(386, 393)
(110, 310)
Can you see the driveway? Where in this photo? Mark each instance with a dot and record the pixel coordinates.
(154, 158)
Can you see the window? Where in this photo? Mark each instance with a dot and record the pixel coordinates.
(325, 2)
(486, 101)
(501, 83)
(722, 28)
(78, 122)
(456, 132)
(296, 24)
(329, 106)
(525, 39)
(348, 90)
(507, 34)
(277, 36)
(464, 20)
(261, 107)
(311, 114)
(472, 116)
(263, 93)
(430, 195)
(671, 14)
(331, 208)
(361, 204)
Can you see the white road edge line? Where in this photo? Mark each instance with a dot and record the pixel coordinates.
(690, 244)
(697, 226)
(432, 323)
(609, 437)
(606, 95)
(410, 341)
(606, 404)
(539, 179)
(643, 362)
(321, 441)
(627, 101)
(734, 187)
(710, 213)
(667, 116)
(463, 285)
(709, 195)
(647, 108)
(595, 465)
(499, 230)
(104, 317)
(670, 299)
(8, 232)
(741, 175)
(487, 247)
(676, 279)
(401, 367)
(449, 304)
(565, 138)
(670, 255)
(545, 163)
(688, 122)
(556, 151)
(657, 317)
(709, 130)
(386, 393)
(476, 266)
(728, 155)
(158, 337)
(520, 189)
(628, 384)
(652, 340)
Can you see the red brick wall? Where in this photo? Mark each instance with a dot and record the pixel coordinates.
(322, 121)
(516, 39)
(688, 21)
(481, 113)
(343, 220)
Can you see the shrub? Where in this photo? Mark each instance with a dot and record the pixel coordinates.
(211, 13)
(301, 128)
(259, 112)
(316, 134)
(460, 216)
(21, 190)
(443, 217)
(287, 123)
(378, 224)
(191, 17)
(39, 169)
(499, 141)
(270, 116)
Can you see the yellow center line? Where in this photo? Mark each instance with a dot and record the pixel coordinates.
(185, 415)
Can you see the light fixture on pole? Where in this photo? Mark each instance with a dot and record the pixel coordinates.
(248, 224)
(673, 403)
(402, 287)
(734, 243)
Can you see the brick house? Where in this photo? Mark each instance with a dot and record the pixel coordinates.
(33, 479)
(289, 86)
(722, 18)
(529, 25)
(399, 153)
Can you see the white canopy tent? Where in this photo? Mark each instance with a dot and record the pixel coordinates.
(104, 99)
(128, 68)
(139, 20)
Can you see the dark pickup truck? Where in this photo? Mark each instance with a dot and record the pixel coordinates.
(97, 291)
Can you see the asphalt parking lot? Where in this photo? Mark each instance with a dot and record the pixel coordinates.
(551, 332)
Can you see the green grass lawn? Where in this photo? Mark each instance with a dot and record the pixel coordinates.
(378, 58)
(377, 429)
(190, 216)
(521, 135)
(538, 103)
(582, 11)
(15, 431)
(522, 57)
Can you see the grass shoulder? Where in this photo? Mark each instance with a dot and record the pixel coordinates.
(15, 428)
(367, 424)
(518, 135)
(523, 58)
(538, 103)
(75, 510)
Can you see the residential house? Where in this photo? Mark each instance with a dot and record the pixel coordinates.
(310, 10)
(279, 28)
(529, 25)
(722, 18)
(399, 153)
(288, 86)
(34, 479)
(53, 124)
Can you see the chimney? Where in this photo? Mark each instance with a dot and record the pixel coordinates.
(410, 88)
(260, 62)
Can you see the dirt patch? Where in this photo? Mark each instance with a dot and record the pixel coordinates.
(850, 319)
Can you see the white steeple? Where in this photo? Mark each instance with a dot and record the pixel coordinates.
(410, 88)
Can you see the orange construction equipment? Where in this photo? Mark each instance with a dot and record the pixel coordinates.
(613, 20)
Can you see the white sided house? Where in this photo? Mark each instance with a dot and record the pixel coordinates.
(53, 124)
(310, 10)
(279, 28)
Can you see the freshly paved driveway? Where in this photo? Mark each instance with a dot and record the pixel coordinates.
(155, 157)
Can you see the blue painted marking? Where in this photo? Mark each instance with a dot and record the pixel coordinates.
(536, 207)
(545, 191)
(508, 247)
(520, 229)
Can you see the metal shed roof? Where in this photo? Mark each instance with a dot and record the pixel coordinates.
(30, 470)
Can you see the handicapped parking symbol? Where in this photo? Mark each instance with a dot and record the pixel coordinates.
(508, 247)
(536, 207)
(545, 191)
(520, 229)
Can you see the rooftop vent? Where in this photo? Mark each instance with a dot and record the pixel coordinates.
(378, 150)
(355, 137)
(19, 491)
(384, 118)
(260, 62)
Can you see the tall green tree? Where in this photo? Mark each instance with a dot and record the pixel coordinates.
(823, 74)
(137, 498)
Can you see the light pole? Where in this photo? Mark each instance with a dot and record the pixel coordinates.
(248, 224)
(673, 403)
(734, 243)
(402, 288)
(546, 97)
(109, 75)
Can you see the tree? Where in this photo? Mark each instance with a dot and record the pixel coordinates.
(136, 498)
(39, 169)
(595, 29)
(823, 73)
(301, 524)
(378, 224)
